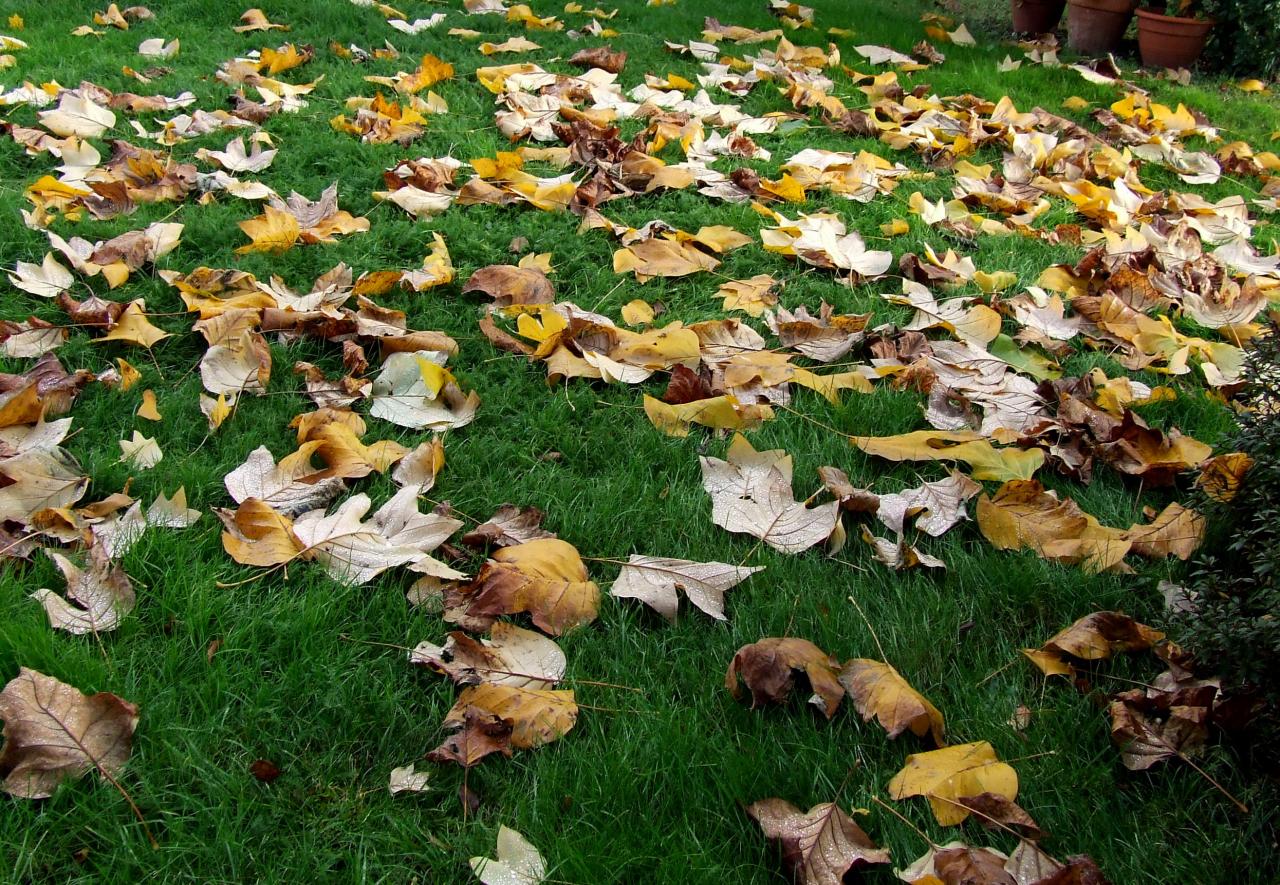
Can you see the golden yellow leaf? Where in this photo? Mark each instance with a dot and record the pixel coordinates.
(637, 313)
(536, 716)
(945, 776)
(895, 228)
(751, 296)
(148, 408)
(273, 231)
(718, 413)
(133, 327)
(129, 376)
(1023, 515)
(545, 578)
(258, 535)
(879, 691)
(987, 461)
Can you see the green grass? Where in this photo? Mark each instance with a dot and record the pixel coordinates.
(650, 786)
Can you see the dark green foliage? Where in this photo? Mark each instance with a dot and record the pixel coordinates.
(1246, 38)
(1234, 628)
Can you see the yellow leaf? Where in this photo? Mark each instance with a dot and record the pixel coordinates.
(1252, 85)
(718, 413)
(536, 716)
(995, 282)
(273, 231)
(1023, 515)
(148, 408)
(129, 376)
(215, 411)
(895, 228)
(1075, 103)
(258, 535)
(752, 296)
(878, 691)
(133, 327)
(637, 313)
(987, 461)
(945, 776)
(545, 578)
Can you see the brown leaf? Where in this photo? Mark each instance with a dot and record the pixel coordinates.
(264, 770)
(993, 812)
(603, 57)
(1094, 637)
(53, 732)
(819, 846)
(476, 734)
(508, 284)
(536, 716)
(102, 595)
(767, 667)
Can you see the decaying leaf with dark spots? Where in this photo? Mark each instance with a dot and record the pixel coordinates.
(879, 691)
(768, 669)
(544, 577)
(476, 734)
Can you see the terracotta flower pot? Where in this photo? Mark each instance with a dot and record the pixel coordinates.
(1035, 16)
(1095, 27)
(1167, 41)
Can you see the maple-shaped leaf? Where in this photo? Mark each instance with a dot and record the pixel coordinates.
(820, 846)
(354, 551)
(826, 338)
(936, 506)
(236, 158)
(39, 479)
(510, 656)
(753, 296)
(751, 493)
(948, 775)
(49, 279)
(768, 669)
(275, 230)
(509, 525)
(537, 716)
(293, 486)
(517, 863)
(54, 732)
(879, 691)
(133, 327)
(102, 595)
(656, 580)
(545, 578)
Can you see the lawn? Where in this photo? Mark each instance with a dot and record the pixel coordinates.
(230, 664)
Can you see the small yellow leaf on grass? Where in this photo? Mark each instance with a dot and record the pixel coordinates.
(1075, 103)
(953, 773)
(215, 410)
(987, 461)
(895, 228)
(258, 535)
(273, 231)
(141, 451)
(752, 296)
(637, 313)
(16, 23)
(148, 408)
(880, 692)
(129, 376)
(1252, 85)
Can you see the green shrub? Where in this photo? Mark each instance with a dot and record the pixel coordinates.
(1246, 39)
(1234, 581)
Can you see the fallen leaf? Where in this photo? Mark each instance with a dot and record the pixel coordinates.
(407, 780)
(655, 581)
(879, 691)
(767, 669)
(510, 656)
(952, 773)
(545, 578)
(820, 846)
(518, 862)
(53, 733)
(751, 493)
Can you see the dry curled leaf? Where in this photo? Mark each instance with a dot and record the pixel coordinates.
(767, 667)
(97, 598)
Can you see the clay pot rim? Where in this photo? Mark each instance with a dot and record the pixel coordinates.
(1106, 5)
(1152, 15)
